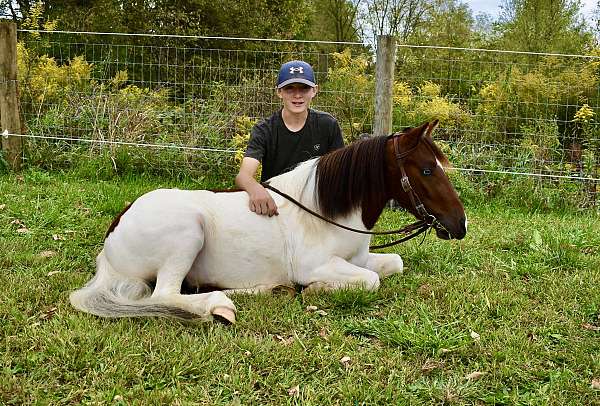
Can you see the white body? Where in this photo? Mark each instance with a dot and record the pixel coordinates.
(213, 239)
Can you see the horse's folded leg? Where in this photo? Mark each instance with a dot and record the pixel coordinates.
(274, 289)
(316, 287)
(385, 264)
(338, 273)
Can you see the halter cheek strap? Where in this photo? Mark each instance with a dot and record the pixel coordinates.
(406, 186)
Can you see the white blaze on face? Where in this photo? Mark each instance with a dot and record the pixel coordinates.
(439, 164)
(442, 168)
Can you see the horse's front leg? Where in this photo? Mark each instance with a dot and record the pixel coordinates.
(385, 264)
(338, 273)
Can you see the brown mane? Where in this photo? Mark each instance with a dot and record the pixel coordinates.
(352, 177)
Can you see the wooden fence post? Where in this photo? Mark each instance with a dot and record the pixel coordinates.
(10, 122)
(384, 84)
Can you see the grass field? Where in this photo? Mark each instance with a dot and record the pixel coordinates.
(509, 315)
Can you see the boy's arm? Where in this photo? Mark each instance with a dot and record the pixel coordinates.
(261, 201)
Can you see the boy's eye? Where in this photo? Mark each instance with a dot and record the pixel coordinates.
(294, 87)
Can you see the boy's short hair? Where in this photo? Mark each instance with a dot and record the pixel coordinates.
(296, 72)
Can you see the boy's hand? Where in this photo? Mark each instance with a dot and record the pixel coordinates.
(261, 201)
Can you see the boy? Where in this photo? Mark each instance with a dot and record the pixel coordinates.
(294, 134)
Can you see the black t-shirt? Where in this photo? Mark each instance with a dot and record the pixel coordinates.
(280, 150)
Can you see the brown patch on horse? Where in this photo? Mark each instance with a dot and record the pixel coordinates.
(116, 220)
(353, 177)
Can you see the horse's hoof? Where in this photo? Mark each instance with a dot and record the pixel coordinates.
(224, 315)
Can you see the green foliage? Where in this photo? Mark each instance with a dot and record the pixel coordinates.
(243, 127)
(447, 23)
(543, 26)
(550, 88)
(349, 91)
(335, 20)
(519, 108)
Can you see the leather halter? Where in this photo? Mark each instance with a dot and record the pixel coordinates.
(405, 182)
(425, 222)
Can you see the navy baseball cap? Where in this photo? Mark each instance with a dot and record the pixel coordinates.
(296, 72)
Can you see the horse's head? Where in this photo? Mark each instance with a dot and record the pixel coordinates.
(415, 175)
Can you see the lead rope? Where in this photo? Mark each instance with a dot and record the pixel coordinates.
(416, 227)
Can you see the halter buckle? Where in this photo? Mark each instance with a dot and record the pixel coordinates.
(405, 184)
(422, 211)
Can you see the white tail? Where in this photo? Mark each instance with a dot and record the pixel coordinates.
(110, 294)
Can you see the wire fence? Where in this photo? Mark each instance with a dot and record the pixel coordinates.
(500, 112)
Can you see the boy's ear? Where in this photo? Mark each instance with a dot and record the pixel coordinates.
(316, 89)
(278, 91)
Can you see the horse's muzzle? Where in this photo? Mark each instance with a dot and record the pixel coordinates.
(456, 232)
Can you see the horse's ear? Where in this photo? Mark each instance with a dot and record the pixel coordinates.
(431, 127)
(422, 130)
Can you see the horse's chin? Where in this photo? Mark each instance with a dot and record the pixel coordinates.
(443, 234)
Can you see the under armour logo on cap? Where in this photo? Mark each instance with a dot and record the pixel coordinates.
(296, 72)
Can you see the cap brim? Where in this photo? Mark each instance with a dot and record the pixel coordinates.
(290, 81)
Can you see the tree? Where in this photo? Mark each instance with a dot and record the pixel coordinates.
(336, 20)
(248, 18)
(399, 18)
(446, 23)
(543, 26)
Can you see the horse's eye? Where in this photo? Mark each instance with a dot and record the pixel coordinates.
(426, 171)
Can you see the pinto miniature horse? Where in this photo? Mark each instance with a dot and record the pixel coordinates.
(169, 236)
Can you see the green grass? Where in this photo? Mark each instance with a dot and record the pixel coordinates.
(527, 282)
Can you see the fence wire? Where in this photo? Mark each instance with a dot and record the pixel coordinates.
(526, 114)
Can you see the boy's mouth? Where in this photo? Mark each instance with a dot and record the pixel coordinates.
(297, 103)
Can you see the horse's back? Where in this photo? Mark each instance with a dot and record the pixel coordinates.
(217, 228)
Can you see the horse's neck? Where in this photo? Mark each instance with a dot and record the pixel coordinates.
(299, 183)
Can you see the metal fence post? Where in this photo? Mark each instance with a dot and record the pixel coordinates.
(10, 120)
(384, 84)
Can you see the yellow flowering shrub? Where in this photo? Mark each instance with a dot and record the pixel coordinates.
(44, 80)
(243, 126)
(428, 105)
(450, 114)
(348, 93)
(430, 90)
(402, 94)
(119, 79)
(585, 114)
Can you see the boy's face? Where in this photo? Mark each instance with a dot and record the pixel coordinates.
(296, 97)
